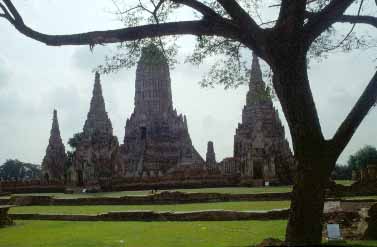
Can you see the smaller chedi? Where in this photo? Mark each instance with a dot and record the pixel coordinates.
(261, 151)
(97, 147)
(211, 164)
(53, 164)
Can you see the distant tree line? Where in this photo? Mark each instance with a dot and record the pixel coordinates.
(15, 170)
(363, 157)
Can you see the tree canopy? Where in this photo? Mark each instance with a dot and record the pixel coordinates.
(74, 141)
(363, 157)
(15, 170)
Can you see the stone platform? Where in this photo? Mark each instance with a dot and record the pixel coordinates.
(160, 198)
(4, 217)
(144, 215)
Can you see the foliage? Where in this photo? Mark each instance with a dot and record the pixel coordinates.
(363, 157)
(15, 170)
(127, 53)
(69, 161)
(74, 141)
(341, 172)
(230, 69)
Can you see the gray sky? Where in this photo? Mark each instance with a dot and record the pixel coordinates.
(35, 79)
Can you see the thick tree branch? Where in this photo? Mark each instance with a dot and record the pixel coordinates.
(246, 34)
(201, 27)
(13, 11)
(319, 22)
(346, 130)
(200, 7)
(238, 14)
(252, 34)
(291, 14)
(361, 19)
(6, 14)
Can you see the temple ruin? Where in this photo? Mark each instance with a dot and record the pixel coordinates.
(53, 163)
(157, 145)
(156, 140)
(96, 152)
(260, 146)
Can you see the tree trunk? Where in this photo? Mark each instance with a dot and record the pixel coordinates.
(305, 219)
(313, 154)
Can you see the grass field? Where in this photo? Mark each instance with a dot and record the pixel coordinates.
(139, 234)
(144, 234)
(240, 206)
(345, 182)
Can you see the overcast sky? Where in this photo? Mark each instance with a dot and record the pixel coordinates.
(35, 79)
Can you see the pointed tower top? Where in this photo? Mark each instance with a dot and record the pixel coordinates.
(257, 87)
(55, 131)
(256, 72)
(97, 119)
(97, 76)
(55, 157)
(97, 89)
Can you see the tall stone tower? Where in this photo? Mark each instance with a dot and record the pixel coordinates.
(259, 142)
(53, 163)
(96, 152)
(152, 86)
(156, 140)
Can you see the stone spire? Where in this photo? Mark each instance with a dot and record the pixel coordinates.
(259, 142)
(96, 152)
(55, 131)
(97, 119)
(256, 72)
(152, 84)
(210, 156)
(55, 158)
(257, 87)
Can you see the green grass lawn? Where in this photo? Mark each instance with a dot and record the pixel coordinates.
(240, 206)
(345, 182)
(144, 234)
(139, 234)
(230, 190)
